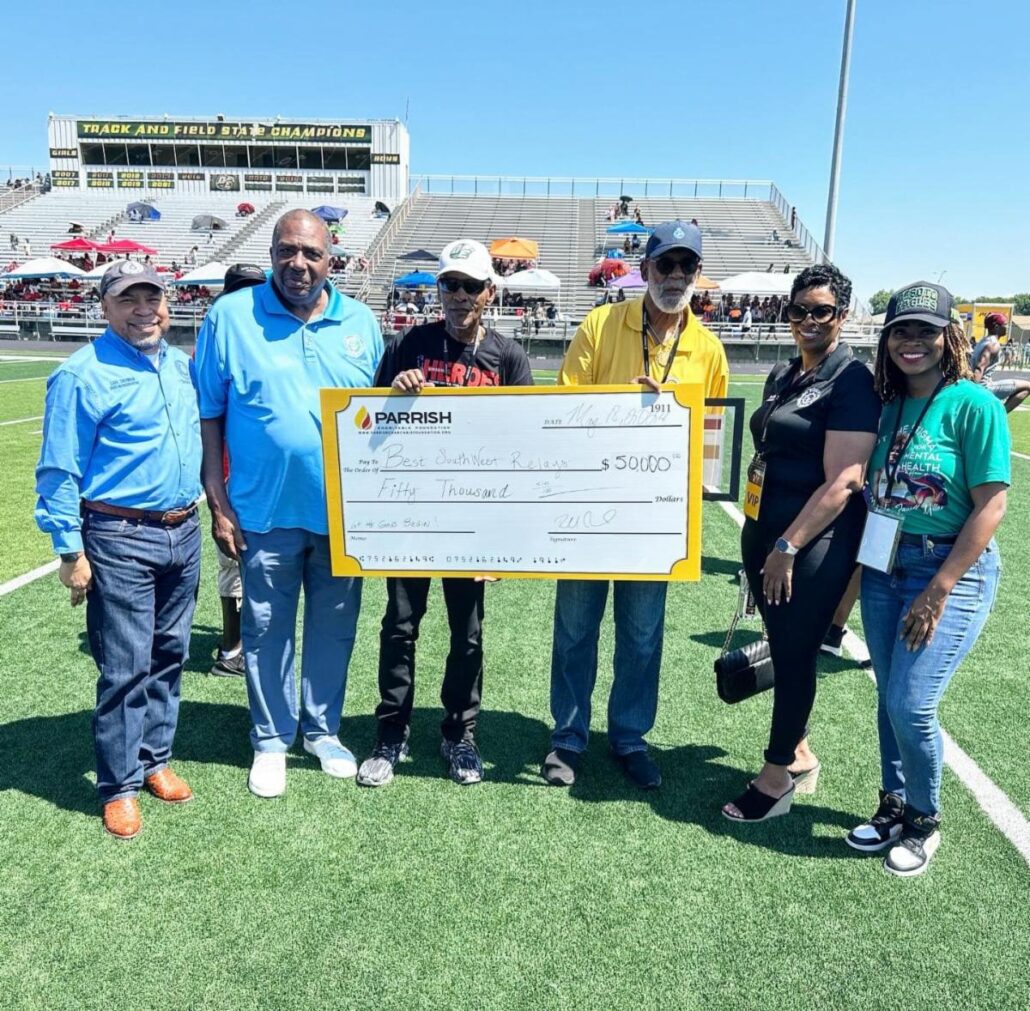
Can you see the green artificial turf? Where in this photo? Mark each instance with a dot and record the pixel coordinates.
(510, 894)
(1019, 425)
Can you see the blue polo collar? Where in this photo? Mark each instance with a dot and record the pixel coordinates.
(334, 309)
(126, 350)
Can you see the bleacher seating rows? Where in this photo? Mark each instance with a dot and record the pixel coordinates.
(571, 231)
(571, 234)
(45, 220)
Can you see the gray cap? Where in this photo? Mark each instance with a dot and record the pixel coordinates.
(125, 273)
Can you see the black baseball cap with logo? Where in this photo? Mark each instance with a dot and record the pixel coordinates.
(921, 301)
(243, 275)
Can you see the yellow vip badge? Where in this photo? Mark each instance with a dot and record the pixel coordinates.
(753, 489)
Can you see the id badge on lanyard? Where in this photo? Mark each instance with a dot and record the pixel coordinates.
(753, 489)
(880, 539)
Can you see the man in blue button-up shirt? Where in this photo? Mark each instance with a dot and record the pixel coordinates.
(118, 481)
(262, 355)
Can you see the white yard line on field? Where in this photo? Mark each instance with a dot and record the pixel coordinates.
(29, 577)
(22, 421)
(32, 358)
(1007, 818)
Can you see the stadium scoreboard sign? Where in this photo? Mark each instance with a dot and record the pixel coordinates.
(323, 133)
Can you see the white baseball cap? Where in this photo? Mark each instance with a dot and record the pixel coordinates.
(468, 257)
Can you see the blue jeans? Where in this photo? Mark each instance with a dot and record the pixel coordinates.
(639, 630)
(275, 566)
(910, 685)
(138, 617)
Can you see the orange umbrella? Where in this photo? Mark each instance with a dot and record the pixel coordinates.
(514, 248)
(706, 283)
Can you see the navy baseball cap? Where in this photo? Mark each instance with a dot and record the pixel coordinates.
(673, 235)
(126, 273)
(921, 301)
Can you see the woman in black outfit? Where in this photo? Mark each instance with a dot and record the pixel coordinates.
(813, 435)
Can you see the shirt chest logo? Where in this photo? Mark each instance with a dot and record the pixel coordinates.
(809, 397)
(354, 345)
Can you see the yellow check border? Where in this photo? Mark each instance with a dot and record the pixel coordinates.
(338, 401)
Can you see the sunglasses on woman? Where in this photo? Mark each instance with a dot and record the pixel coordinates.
(820, 313)
(452, 284)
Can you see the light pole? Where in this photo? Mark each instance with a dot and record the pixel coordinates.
(838, 133)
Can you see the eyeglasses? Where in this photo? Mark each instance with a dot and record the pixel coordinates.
(797, 313)
(452, 284)
(667, 264)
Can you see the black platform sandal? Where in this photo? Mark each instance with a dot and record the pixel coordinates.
(754, 805)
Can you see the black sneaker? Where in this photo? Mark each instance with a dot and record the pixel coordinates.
(230, 667)
(640, 770)
(919, 840)
(377, 769)
(882, 830)
(833, 641)
(466, 767)
(560, 767)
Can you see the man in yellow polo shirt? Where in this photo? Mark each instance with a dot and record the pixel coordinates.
(651, 341)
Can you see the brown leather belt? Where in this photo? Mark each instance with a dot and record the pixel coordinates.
(169, 518)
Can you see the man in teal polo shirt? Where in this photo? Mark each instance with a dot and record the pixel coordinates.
(263, 353)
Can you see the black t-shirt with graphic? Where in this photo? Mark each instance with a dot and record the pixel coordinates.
(797, 412)
(498, 361)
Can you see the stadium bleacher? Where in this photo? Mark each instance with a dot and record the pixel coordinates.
(571, 232)
(46, 219)
(740, 234)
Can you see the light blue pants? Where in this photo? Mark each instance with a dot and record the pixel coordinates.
(910, 685)
(275, 566)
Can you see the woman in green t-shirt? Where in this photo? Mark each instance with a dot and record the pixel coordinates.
(937, 485)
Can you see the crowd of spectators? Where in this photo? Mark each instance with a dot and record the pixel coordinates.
(505, 267)
(41, 180)
(744, 310)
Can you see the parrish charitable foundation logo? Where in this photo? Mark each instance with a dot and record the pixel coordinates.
(399, 421)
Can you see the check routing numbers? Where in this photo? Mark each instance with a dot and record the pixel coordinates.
(519, 482)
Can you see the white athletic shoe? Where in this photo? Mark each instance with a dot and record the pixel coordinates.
(268, 774)
(915, 849)
(336, 760)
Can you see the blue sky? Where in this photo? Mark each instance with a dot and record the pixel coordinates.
(936, 146)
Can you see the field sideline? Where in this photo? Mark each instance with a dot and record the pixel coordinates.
(510, 894)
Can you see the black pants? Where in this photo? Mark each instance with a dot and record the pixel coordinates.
(463, 675)
(821, 573)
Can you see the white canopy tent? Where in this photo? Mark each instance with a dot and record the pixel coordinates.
(757, 282)
(532, 282)
(44, 266)
(211, 275)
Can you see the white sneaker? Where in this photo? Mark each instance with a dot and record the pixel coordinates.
(912, 855)
(268, 774)
(335, 759)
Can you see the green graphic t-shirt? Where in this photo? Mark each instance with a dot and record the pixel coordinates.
(963, 441)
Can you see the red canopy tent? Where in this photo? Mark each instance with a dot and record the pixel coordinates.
(76, 245)
(126, 246)
(608, 269)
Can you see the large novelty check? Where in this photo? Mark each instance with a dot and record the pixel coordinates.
(562, 482)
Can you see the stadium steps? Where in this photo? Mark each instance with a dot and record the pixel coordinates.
(254, 223)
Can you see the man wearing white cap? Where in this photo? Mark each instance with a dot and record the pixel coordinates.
(455, 351)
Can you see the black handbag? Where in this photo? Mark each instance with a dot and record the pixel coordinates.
(747, 670)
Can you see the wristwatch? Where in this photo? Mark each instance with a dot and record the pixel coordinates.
(785, 547)
(70, 556)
